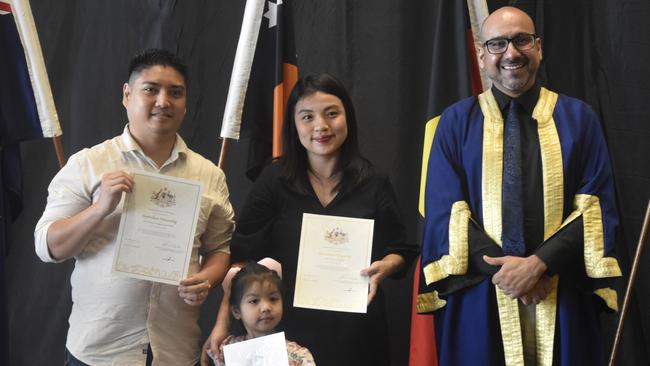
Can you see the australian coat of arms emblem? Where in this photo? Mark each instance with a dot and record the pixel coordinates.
(163, 198)
(336, 236)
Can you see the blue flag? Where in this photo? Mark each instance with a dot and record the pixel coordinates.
(18, 114)
(26, 112)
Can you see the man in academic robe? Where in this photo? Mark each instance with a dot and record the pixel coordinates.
(520, 216)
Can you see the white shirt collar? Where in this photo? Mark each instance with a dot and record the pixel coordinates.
(127, 143)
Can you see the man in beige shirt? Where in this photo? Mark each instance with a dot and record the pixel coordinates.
(118, 320)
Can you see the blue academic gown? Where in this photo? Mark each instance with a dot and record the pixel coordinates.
(475, 323)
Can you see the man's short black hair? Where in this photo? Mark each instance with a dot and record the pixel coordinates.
(153, 57)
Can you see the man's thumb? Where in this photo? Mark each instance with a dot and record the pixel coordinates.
(496, 261)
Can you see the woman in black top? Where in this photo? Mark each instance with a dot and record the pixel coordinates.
(322, 172)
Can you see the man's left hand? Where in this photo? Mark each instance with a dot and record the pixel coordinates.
(539, 292)
(194, 290)
(517, 275)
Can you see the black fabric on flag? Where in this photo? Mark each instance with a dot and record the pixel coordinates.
(451, 73)
(275, 47)
(451, 77)
(451, 80)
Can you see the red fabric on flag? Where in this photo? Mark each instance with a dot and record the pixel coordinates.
(422, 351)
(5, 7)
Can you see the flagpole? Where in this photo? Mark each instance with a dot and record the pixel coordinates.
(223, 153)
(630, 284)
(478, 12)
(58, 149)
(49, 120)
(240, 75)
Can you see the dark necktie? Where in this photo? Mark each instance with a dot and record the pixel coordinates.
(512, 236)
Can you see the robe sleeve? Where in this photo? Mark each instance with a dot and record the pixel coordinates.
(586, 239)
(445, 239)
(453, 243)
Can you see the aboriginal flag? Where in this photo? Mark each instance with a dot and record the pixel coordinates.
(454, 75)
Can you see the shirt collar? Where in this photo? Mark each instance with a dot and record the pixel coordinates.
(127, 143)
(528, 100)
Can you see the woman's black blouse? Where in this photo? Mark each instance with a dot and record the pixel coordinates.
(269, 226)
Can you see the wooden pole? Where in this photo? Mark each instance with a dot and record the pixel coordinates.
(223, 153)
(58, 149)
(630, 284)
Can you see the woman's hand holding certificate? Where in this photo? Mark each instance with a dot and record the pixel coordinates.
(379, 270)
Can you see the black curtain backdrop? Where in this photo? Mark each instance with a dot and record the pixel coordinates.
(382, 50)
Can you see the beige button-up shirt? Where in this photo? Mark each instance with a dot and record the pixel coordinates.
(114, 317)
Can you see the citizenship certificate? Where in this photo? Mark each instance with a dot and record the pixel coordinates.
(260, 351)
(333, 251)
(157, 228)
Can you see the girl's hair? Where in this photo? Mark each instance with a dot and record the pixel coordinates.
(251, 273)
(294, 162)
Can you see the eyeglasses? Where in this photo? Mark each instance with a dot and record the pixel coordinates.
(522, 42)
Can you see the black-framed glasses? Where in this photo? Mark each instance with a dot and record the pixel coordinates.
(522, 42)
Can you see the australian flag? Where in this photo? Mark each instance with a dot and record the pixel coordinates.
(26, 112)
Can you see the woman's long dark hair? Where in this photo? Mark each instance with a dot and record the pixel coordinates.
(294, 162)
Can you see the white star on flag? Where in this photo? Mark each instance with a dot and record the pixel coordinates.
(272, 14)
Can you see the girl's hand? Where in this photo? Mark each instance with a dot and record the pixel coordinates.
(379, 270)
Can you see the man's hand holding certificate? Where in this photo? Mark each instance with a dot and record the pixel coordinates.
(333, 251)
(157, 228)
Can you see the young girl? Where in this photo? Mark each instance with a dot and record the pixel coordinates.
(256, 306)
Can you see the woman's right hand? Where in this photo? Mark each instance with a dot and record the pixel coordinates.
(212, 344)
(205, 357)
(221, 326)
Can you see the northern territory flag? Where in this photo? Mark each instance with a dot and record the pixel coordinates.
(266, 71)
